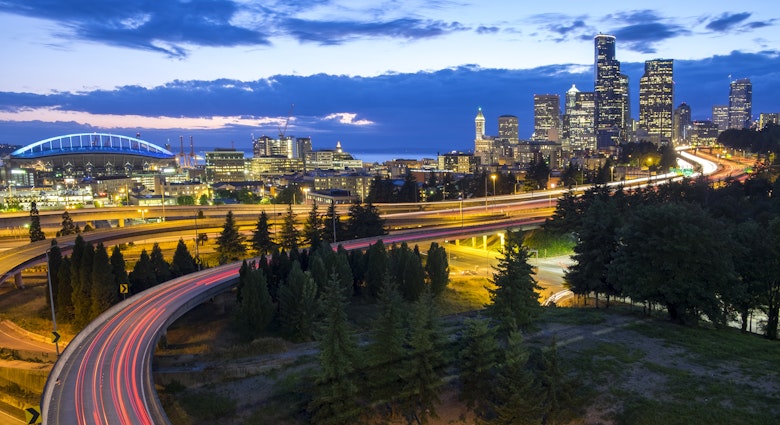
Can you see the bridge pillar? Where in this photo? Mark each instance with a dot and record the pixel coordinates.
(457, 242)
(484, 242)
(120, 223)
(18, 280)
(473, 241)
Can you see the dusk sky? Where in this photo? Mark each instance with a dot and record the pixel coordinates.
(396, 78)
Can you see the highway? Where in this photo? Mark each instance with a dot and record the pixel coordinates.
(104, 376)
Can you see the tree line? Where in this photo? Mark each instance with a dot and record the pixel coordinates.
(88, 282)
(693, 249)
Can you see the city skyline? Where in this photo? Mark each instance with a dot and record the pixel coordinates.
(375, 78)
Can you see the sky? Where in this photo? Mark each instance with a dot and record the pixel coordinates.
(394, 78)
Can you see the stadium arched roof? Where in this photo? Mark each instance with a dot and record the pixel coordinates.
(95, 143)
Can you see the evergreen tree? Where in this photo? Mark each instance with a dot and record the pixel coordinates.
(425, 364)
(335, 399)
(36, 234)
(406, 269)
(255, 310)
(364, 221)
(79, 245)
(118, 267)
(64, 302)
(555, 393)
(105, 293)
(514, 299)
(230, 243)
(82, 291)
(477, 362)
(68, 227)
(313, 228)
(515, 398)
(162, 270)
(142, 277)
(261, 238)
(288, 236)
(376, 268)
(182, 262)
(298, 304)
(54, 257)
(333, 229)
(386, 353)
(408, 192)
(437, 268)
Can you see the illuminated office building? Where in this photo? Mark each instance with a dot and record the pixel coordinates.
(547, 117)
(741, 104)
(656, 93)
(612, 96)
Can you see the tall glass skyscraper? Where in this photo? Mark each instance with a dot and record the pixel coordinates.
(656, 100)
(611, 87)
(741, 104)
(547, 117)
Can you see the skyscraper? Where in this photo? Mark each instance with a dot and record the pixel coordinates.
(547, 117)
(720, 116)
(484, 147)
(508, 128)
(681, 124)
(656, 92)
(741, 104)
(611, 89)
(580, 121)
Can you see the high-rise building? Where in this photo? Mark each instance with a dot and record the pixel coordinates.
(764, 119)
(508, 128)
(547, 117)
(611, 87)
(720, 117)
(579, 122)
(479, 125)
(656, 92)
(681, 124)
(741, 104)
(484, 146)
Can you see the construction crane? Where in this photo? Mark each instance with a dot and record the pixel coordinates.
(283, 132)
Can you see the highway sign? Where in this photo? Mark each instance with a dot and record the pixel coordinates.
(32, 415)
(124, 288)
(55, 337)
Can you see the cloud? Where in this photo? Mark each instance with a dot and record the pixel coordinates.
(562, 27)
(727, 21)
(418, 113)
(165, 26)
(643, 37)
(337, 32)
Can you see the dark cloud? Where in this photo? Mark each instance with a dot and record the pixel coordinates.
(643, 37)
(418, 113)
(759, 24)
(337, 32)
(635, 16)
(162, 26)
(727, 21)
(487, 30)
(564, 27)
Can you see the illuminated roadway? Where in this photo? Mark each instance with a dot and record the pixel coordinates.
(104, 376)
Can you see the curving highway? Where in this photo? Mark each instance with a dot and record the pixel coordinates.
(104, 376)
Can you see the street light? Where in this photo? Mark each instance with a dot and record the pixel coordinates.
(197, 242)
(305, 195)
(552, 187)
(51, 301)
(493, 177)
(143, 214)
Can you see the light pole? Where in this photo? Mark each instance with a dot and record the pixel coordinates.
(51, 301)
(461, 210)
(197, 242)
(486, 206)
(333, 204)
(493, 177)
(305, 195)
(552, 187)
(143, 214)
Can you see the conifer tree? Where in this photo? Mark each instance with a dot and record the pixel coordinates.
(298, 304)
(333, 229)
(255, 309)
(104, 292)
(68, 227)
(118, 266)
(514, 300)
(313, 228)
(386, 354)
(556, 392)
(424, 369)
(336, 399)
(79, 245)
(162, 270)
(182, 262)
(261, 237)
(142, 277)
(64, 302)
(478, 361)
(36, 234)
(515, 398)
(288, 236)
(406, 268)
(437, 268)
(376, 268)
(82, 292)
(230, 243)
